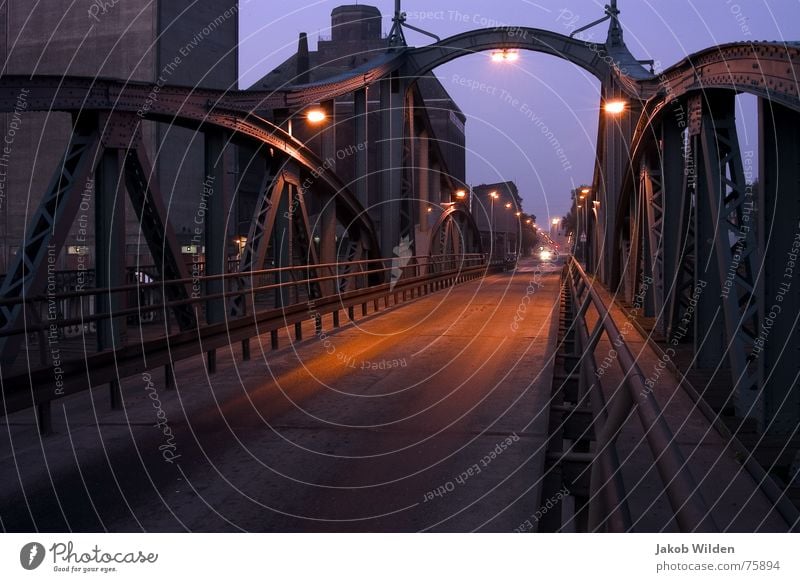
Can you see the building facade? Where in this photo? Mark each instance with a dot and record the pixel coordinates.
(497, 209)
(164, 42)
(356, 38)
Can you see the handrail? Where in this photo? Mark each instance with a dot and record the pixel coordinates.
(40, 387)
(160, 284)
(466, 261)
(690, 509)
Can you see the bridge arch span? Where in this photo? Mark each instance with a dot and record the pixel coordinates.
(598, 59)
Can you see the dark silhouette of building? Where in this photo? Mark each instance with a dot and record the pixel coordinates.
(356, 38)
(497, 217)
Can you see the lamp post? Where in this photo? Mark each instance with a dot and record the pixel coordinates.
(494, 196)
(506, 234)
(582, 219)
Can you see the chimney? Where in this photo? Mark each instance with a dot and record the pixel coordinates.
(303, 64)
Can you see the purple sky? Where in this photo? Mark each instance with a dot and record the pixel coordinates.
(507, 142)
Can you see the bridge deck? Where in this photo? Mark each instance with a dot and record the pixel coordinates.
(352, 431)
(431, 415)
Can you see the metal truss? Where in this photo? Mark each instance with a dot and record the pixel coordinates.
(732, 213)
(48, 230)
(148, 203)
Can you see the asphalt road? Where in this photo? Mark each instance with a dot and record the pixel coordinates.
(430, 415)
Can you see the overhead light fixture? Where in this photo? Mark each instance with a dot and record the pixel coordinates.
(505, 56)
(614, 107)
(316, 116)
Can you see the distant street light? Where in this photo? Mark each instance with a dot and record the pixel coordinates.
(461, 194)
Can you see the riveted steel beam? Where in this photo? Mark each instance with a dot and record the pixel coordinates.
(731, 206)
(777, 346)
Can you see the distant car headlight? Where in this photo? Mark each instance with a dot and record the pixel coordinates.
(545, 255)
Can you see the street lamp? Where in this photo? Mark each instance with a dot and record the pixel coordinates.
(614, 107)
(461, 194)
(316, 116)
(494, 196)
(505, 56)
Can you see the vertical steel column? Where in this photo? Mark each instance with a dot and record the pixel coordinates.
(282, 239)
(423, 183)
(684, 249)
(705, 315)
(360, 112)
(654, 236)
(409, 210)
(110, 255)
(732, 205)
(213, 197)
(327, 216)
(615, 133)
(392, 103)
(672, 179)
(778, 344)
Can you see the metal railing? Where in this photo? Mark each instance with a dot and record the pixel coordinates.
(373, 279)
(147, 297)
(607, 490)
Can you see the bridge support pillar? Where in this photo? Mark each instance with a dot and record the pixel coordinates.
(327, 244)
(672, 178)
(707, 318)
(615, 135)
(213, 200)
(282, 240)
(360, 111)
(426, 219)
(327, 215)
(392, 118)
(110, 254)
(778, 344)
(731, 205)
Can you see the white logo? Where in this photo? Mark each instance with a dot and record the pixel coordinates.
(403, 254)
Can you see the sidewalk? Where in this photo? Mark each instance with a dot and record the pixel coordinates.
(729, 490)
